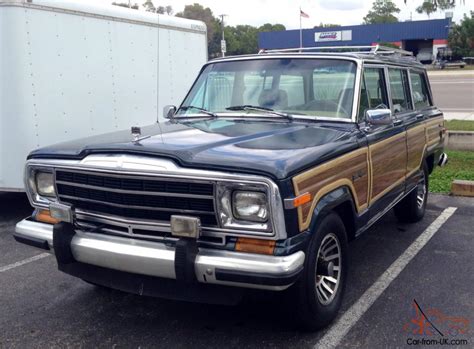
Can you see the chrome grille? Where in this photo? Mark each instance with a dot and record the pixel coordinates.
(139, 198)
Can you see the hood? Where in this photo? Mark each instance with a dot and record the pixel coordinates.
(276, 149)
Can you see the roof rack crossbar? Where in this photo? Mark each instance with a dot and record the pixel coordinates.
(376, 50)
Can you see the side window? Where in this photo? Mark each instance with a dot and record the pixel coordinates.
(400, 90)
(373, 94)
(293, 87)
(421, 97)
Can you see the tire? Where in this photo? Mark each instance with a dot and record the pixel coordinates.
(312, 310)
(411, 209)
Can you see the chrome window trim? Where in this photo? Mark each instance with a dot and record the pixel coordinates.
(143, 166)
(387, 87)
(358, 61)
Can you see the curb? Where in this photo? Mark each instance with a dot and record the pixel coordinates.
(459, 140)
(462, 188)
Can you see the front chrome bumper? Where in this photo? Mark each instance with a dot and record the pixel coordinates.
(158, 259)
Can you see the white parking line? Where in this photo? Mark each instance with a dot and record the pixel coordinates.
(23, 262)
(337, 332)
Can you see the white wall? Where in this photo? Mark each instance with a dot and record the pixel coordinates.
(67, 76)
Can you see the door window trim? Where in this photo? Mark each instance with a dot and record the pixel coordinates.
(406, 112)
(386, 85)
(427, 86)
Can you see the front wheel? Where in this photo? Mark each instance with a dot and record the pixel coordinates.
(412, 208)
(321, 286)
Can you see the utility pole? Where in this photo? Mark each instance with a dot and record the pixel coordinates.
(223, 43)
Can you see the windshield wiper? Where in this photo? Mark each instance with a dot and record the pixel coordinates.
(249, 107)
(202, 110)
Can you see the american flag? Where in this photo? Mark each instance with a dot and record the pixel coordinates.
(303, 14)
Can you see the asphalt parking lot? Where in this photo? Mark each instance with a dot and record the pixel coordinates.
(42, 307)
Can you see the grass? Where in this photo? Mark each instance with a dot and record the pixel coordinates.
(460, 166)
(460, 125)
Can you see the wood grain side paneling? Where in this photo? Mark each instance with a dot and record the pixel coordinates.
(433, 127)
(351, 170)
(416, 144)
(388, 160)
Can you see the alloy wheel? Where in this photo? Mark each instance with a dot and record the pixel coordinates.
(328, 269)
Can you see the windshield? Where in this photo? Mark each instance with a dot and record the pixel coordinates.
(308, 87)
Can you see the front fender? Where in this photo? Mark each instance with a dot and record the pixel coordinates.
(339, 199)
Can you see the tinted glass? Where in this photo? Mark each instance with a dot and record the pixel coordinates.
(419, 90)
(400, 90)
(308, 87)
(373, 94)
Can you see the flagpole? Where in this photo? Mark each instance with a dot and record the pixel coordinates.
(301, 31)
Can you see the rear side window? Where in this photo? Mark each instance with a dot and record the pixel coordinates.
(400, 90)
(419, 88)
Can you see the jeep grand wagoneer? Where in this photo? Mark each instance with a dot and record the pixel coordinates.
(259, 179)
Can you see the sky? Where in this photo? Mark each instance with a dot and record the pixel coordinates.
(286, 12)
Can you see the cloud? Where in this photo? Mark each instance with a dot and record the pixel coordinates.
(341, 5)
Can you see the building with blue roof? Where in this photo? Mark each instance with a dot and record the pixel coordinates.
(423, 38)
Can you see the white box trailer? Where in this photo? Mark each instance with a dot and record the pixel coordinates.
(73, 69)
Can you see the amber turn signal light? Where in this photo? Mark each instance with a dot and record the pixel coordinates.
(255, 246)
(45, 217)
(302, 199)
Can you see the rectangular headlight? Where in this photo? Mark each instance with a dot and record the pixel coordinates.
(44, 182)
(250, 206)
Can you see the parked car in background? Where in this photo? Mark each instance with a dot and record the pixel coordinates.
(258, 180)
(70, 70)
(425, 56)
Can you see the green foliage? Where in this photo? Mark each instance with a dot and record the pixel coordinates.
(165, 10)
(460, 125)
(383, 11)
(430, 6)
(125, 4)
(268, 27)
(460, 166)
(427, 7)
(461, 37)
(149, 6)
(198, 12)
(243, 39)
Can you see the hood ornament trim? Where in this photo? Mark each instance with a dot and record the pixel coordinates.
(136, 134)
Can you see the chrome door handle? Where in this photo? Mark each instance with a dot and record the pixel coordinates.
(420, 116)
(397, 122)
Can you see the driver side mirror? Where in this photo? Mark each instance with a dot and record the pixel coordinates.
(378, 117)
(169, 111)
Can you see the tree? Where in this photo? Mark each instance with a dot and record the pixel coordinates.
(268, 27)
(165, 10)
(461, 37)
(431, 6)
(198, 12)
(383, 11)
(123, 4)
(149, 6)
(427, 7)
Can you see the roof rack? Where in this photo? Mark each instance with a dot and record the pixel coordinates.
(375, 50)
